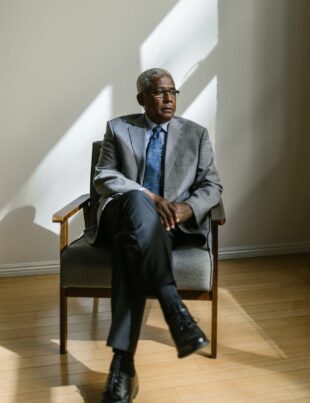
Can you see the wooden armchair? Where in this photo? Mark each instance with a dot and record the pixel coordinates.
(85, 270)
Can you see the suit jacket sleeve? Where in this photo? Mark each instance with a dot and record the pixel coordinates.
(108, 178)
(206, 190)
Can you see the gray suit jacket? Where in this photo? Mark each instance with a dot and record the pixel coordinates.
(189, 175)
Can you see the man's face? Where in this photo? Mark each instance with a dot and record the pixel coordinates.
(159, 110)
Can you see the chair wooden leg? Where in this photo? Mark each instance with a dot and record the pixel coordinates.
(63, 321)
(214, 291)
(214, 328)
(95, 305)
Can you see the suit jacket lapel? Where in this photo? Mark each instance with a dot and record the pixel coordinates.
(173, 146)
(137, 138)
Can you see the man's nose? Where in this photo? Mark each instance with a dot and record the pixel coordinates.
(167, 96)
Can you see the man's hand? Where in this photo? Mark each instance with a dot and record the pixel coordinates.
(183, 212)
(165, 209)
(170, 214)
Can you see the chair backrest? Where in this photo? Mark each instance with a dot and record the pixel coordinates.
(94, 196)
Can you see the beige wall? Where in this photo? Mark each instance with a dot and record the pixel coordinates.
(68, 66)
(263, 121)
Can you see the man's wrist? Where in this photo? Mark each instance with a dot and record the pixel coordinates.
(190, 207)
(152, 195)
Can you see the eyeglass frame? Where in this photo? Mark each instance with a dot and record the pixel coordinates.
(163, 92)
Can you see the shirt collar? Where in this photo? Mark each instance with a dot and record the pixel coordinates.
(151, 124)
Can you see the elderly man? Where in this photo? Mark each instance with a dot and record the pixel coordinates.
(158, 181)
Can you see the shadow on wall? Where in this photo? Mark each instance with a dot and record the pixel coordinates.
(83, 76)
(19, 232)
(52, 71)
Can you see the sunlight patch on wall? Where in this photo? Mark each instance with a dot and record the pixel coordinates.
(64, 172)
(182, 39)
(203, 109)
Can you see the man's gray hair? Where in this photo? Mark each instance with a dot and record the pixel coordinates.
(145, 79)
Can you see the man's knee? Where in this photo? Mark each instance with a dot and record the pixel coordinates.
(136, 195)
(138, 200)
(141, 214)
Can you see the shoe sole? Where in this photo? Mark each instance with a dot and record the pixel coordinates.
(192, 348)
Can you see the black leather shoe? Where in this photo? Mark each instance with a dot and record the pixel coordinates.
(120, 388)
(187, 336)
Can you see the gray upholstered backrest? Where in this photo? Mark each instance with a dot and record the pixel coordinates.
(94, 196)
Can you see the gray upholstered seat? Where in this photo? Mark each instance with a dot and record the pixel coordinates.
(90, 266)
(192, 268)
(84, 265)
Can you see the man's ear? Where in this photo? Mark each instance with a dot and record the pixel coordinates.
(140, 99)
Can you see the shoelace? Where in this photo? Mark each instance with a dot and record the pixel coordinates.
(184, 319)
(114, 383)
(113, 389)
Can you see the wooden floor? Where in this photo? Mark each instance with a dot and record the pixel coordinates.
(264, 341)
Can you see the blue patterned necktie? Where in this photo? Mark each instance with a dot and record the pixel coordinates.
(154, 159)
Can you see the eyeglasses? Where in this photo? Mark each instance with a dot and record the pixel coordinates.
(161, 93)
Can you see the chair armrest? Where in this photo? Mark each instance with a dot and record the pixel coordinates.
(218, 214)
(65, 213)
(71, 208)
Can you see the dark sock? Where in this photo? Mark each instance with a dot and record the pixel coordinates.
(168, 296)
(124, 361)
